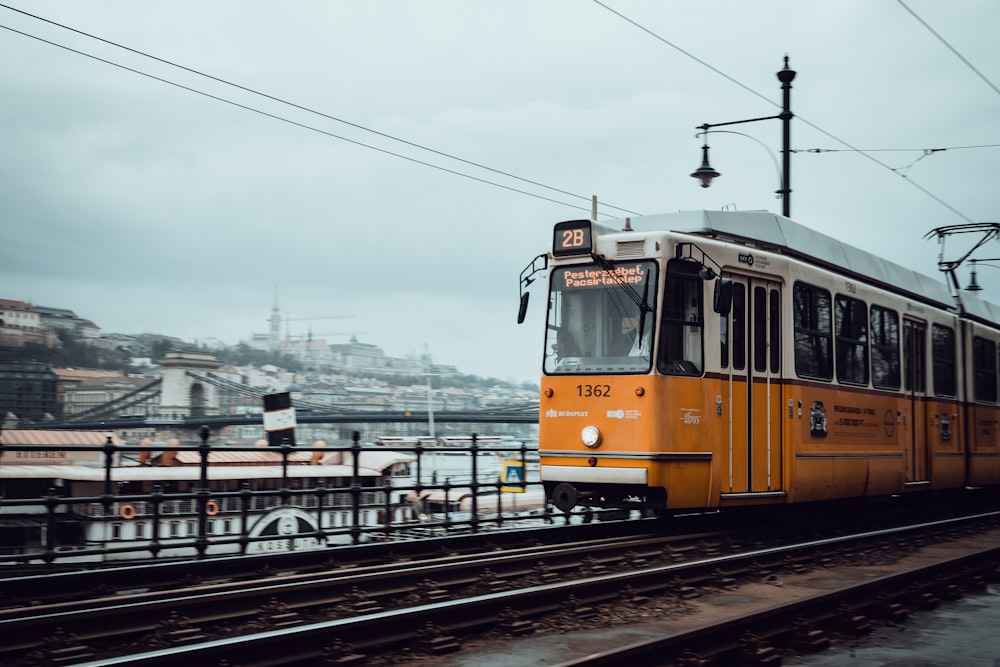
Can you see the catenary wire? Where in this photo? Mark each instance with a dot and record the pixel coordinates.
(293, 122)
(313, 111)
(950, 47)
(890, 150)
(924, 152)
(775, 104)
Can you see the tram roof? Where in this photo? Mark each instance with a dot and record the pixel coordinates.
(777, 233)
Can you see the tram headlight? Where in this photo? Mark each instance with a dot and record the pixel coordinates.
(591, 436)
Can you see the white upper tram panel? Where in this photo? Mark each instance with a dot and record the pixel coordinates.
(769, 231)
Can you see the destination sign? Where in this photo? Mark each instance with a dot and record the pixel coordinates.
(572, 237)
(622, 274)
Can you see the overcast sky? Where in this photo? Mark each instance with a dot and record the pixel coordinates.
(144, 206)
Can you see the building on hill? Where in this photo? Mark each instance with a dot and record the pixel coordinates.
(19, 315)
(59, 319)
(21, 324)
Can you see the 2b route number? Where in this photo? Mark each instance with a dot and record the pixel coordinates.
(572, 238)
(600, 390)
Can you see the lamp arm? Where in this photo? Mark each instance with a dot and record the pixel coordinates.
(777, 167)
(707, 126)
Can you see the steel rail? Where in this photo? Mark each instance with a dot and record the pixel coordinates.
(305, 643)
(117, 615)
(723, 637)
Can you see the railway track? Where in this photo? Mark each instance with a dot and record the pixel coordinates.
(355, 616)
(32, 586)
(347, 590)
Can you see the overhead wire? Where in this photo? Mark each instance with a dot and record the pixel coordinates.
(775, 104)
(924, 152)
(306, 109)
(950, 48)
(629, 20)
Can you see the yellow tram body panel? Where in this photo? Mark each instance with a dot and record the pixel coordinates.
(844, 443)
(654, 431)
(984, 448)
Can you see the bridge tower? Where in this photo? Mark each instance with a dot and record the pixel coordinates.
(181, 393)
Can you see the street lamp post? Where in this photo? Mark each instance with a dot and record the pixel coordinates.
(705, 173)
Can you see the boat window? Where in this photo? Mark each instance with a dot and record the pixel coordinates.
(600, 318)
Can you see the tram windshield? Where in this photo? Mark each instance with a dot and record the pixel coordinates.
(601, 318)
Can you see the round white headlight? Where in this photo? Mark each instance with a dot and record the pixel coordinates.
(591, 436)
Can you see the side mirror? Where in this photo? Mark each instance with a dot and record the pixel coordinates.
(522, 311)
(722, 301)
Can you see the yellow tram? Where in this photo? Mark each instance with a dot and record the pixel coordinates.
(713, 359)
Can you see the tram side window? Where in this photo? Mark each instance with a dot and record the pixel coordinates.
(759, 329)
(943, 359)
(724, 340)
(739, 326)
(984, 361)
(766, 330)
(775, 304)
(851, 322)
(885, 348)
(812, 315)
(680, 346)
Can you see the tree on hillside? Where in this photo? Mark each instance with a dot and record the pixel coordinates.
(74, 353)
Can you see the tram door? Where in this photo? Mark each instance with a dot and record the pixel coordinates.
(751, 352)
(915, 386)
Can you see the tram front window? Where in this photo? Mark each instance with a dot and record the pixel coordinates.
(600, 319)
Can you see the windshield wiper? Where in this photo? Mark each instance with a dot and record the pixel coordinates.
(640, 301)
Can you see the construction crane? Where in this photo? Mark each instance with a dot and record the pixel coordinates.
(311, 335)
(289, 320)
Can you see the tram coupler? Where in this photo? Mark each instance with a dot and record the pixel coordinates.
(566, 496)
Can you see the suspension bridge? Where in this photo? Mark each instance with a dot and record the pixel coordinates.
(190, 394)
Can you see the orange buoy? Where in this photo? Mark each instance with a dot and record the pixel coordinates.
(211, 508)
(127, 512)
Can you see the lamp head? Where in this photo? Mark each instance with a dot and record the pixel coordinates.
(705, 173)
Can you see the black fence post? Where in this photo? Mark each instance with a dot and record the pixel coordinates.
(320, 504)
(51, 503)
(388, 509)
(447, 503)
(109, 461)
(419, 487)
(474, 519)
(156, 497)
(356, 488)
(246, 499)
(286, 450)
(201, 542)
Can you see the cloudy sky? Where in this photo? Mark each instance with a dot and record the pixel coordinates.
(398, 163)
